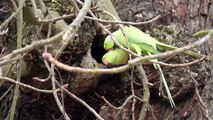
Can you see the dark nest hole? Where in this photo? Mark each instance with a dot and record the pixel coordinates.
(97, 49)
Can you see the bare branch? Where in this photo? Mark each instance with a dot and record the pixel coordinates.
(60, 106)
(101, 20)
(123, 22)
(181, 65)
(27, 86)
(146, 92)
(8, 90)
(16, 95)
(83, 103)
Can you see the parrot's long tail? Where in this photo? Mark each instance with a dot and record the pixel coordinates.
(170, 47)
(165, 85)
(162, 78)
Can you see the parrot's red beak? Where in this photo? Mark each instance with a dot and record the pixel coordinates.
(108, 50)
(105, 62)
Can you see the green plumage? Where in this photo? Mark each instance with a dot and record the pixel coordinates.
(136, 38)
(115, 56)
(138, 41)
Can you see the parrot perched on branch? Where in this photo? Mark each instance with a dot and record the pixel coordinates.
(115, 56)
(142, 43)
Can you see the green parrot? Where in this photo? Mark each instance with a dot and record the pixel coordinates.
(141, 43)
(115, 56)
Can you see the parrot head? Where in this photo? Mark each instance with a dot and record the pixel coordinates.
(107, 58)
(108, 43)
(110, 57)
(115, 56)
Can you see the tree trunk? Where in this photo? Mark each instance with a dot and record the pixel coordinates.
(188, 16)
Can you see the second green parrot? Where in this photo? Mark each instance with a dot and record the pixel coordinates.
(115, 56)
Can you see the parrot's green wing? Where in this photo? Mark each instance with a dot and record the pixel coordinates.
(115, 56)
(136, 36)
(138, 41)
(143, 49)
(148, 48)
(133, 35)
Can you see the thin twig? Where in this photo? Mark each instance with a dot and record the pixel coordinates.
(82, 102)
(60, 106)
(101, 20)
(124, 103)
(8, 90)
(13, 4)
(181, 65)
(27, 86)
(202, 104)
(45, 47)
(4, 9)
(199, 99)
(133, 93)
(19, 23)
(42, 80)
(57, 18)
(123, 22)
(3, 32)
